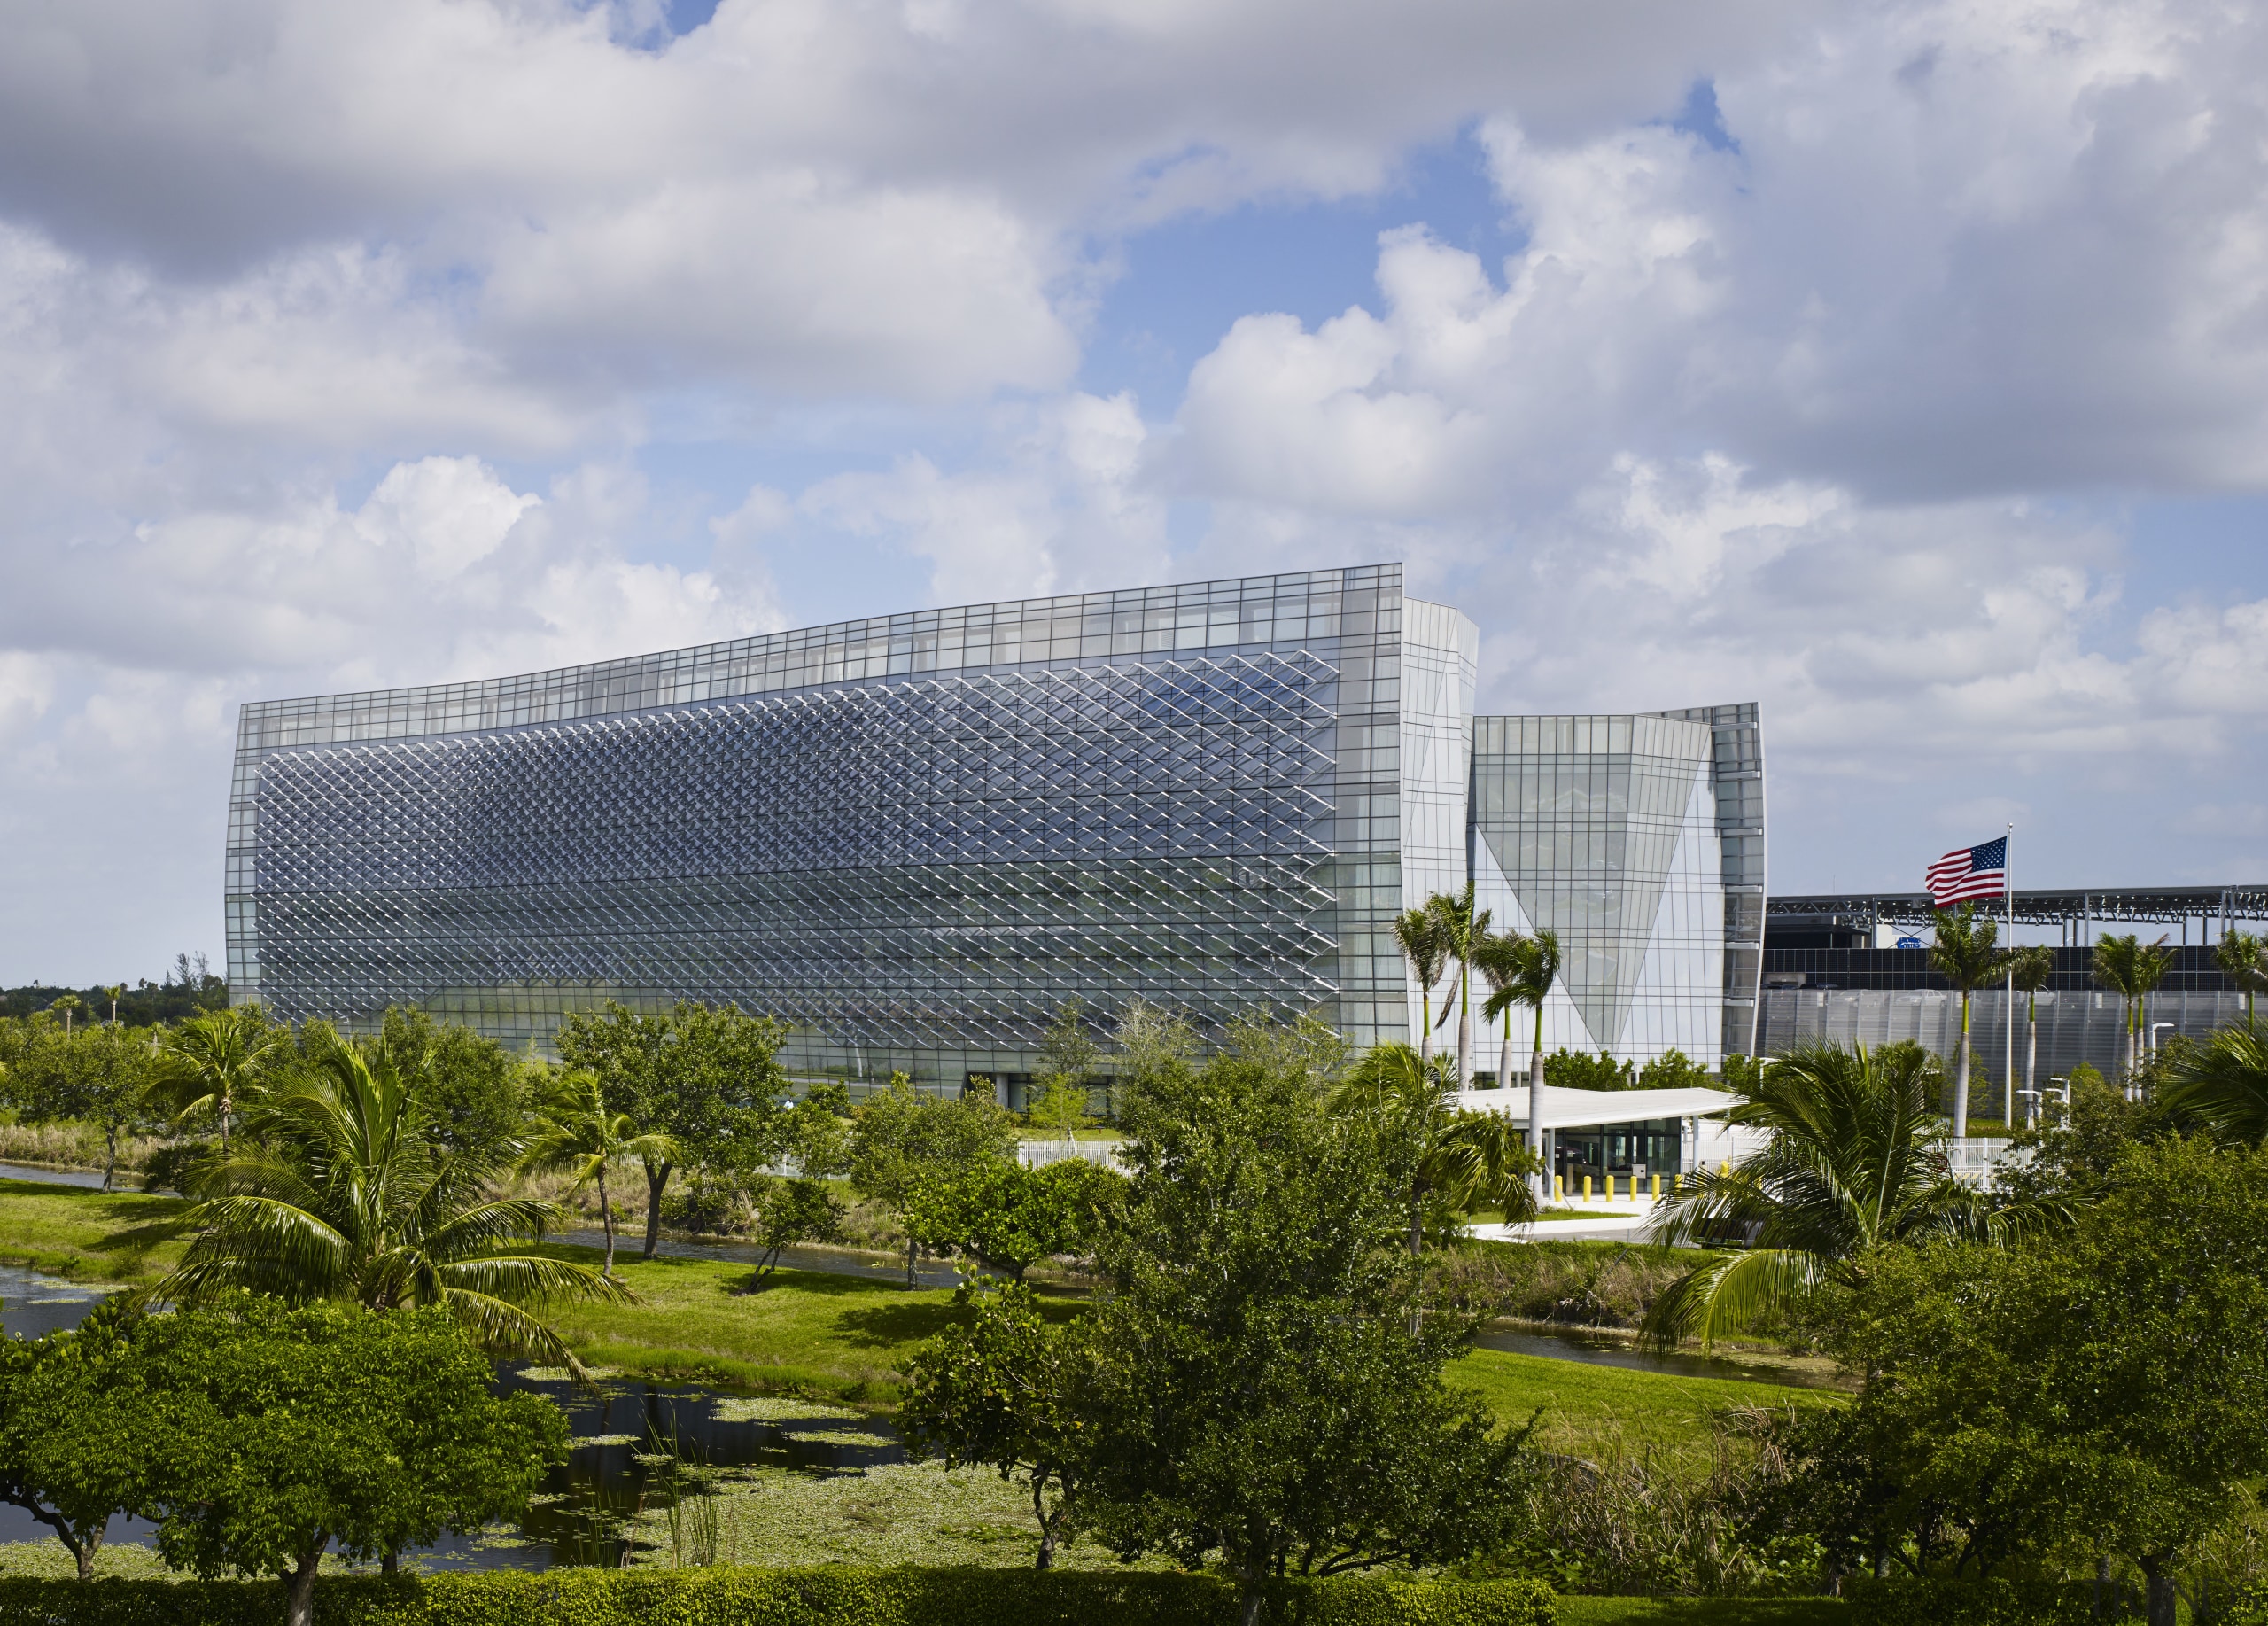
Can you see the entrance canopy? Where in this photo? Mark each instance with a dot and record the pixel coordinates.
(1566, 1108)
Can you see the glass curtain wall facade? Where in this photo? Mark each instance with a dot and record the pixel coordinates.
(912, 838)
(1632, 839)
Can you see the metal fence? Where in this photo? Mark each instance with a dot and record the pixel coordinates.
(2072, 1027)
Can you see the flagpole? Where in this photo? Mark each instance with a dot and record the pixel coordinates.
(2008, 1010)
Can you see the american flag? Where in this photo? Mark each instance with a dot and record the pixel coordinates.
(1970, 872)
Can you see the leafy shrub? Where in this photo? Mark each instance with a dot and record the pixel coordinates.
(1675, 1070)
(171, 1167)
(710, 1204)
(1565, 1070)
(820, 1596)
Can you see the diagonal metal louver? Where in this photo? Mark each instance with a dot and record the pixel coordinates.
(909, 866)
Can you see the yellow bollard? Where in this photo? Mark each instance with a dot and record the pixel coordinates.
(1658, 1188)
(1723, 1170)
(1586, 1188)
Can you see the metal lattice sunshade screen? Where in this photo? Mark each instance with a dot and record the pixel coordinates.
(912, 863)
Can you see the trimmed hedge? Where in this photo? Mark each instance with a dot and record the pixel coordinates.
(1981, 1603)
(821, 1596)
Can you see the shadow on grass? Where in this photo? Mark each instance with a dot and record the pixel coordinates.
(881, 1326)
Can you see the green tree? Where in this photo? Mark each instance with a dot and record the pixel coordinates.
(2029, 970)
(1673, 1069)
(1741, 1073)
(899, 1139)
(102, 1074)
(75, 1430)
(2242, 957)
(577, 1135)
(1855, 1160)
(1008, 1392)
(790, 1213)
(2131, 969)
(343, 1192)
(2106, 1387)
(1008, 1215)
(815, 1132)
(1464, 1159)
(1521, 971)
(1068, 1056)
(1462, 931)
(476, 1096)
(706, 1078)
(217, 1058)
(1965, 951)
(291, 1431)
(1569, 1070)
(1153, 1044)
(1418, 933)
(1259, 1396)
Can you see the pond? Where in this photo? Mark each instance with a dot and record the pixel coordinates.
(633, 1438)
(91, 1178)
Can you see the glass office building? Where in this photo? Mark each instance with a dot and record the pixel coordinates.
(1639, 842)
(911, 838)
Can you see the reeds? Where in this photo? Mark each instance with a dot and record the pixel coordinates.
(678, 1471)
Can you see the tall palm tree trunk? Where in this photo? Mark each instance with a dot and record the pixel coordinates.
(606, 1219)
(1961, 1075)
(2031, 1063)
(1425, 1022)
(1504, 1057)
(1542, 1177)
(1465, 1027)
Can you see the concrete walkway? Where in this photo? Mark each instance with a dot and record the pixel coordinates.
(1610, 1225)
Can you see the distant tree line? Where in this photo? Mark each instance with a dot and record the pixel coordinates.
(188, 988)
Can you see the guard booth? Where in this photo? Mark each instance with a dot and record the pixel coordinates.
(1625, 1133)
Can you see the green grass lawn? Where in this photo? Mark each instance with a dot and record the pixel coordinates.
(1586, 1408)
(844, 1337)
(70, 1231)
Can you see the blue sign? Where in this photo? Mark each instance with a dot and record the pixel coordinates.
(1909, 941)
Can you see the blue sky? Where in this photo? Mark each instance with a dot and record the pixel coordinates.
(1898, 367)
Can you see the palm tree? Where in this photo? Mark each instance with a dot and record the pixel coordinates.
(2224, 1082)
(2130, 968)
(1855, 1161)
(1965, 954)
(2243, 959)
(1462, 931)
(1422, 944)
(1520, 971)
(577, 1135)
(1468, 1160)
(343, 1192)
(67, 1003)
(2029, 970)
(217, 1056)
